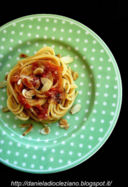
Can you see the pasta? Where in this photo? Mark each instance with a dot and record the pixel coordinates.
(41, 87)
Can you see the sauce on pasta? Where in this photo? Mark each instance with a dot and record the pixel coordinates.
(41, 86)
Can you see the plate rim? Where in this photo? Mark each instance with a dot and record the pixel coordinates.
(115, 65)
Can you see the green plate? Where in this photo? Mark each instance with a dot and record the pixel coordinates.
(100, 94)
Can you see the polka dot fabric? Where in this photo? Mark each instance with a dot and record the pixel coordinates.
(99, 86)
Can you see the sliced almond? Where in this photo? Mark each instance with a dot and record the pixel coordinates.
(47, 84)
(26, 77)
(19, 82)
(76, 108)
(28, 93)
(75, 75)
(38, 71)
(63, 124)
(24, 92)
(3, 84)
(6, 76)
(5, 109)
(58, 55)
(46, 130)
(66, 59)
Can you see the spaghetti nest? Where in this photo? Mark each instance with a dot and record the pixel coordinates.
(41, 87)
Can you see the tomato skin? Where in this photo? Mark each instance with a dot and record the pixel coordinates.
(27, 83)
(35, 65)
(42, 111)
(20, 87)
(14, 79)
(35, 82)
(54, 69)
(23, 101)
(52, 92)
(56, 94)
